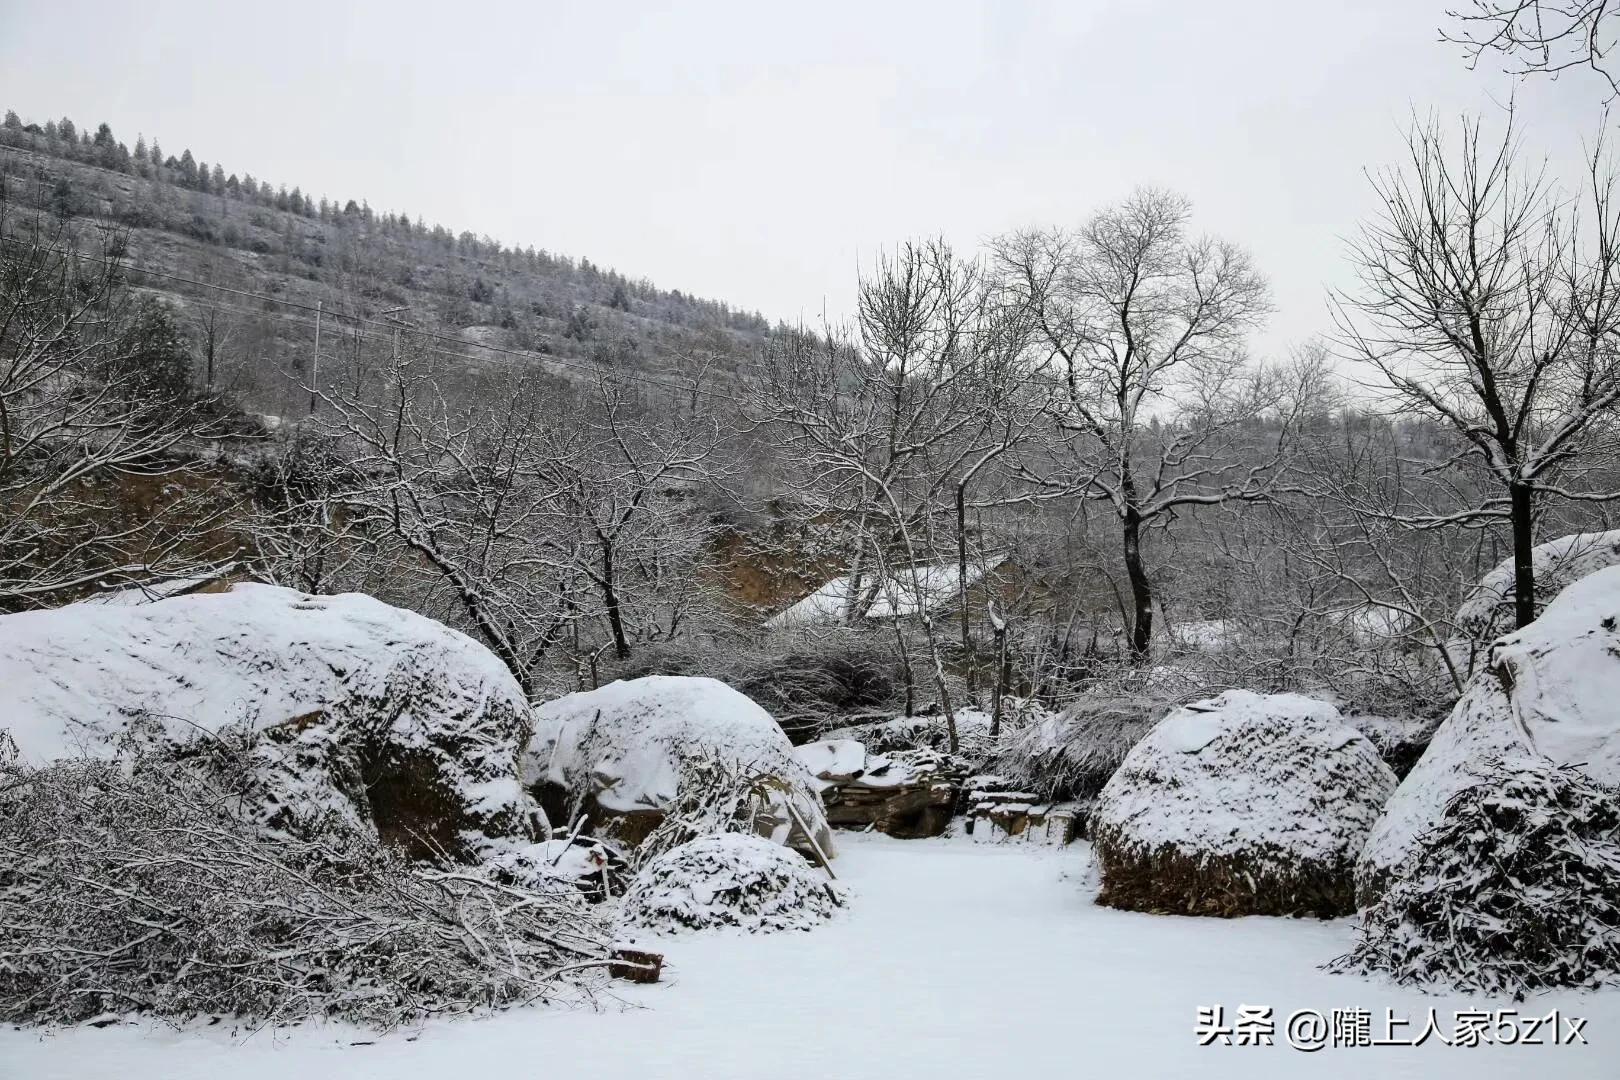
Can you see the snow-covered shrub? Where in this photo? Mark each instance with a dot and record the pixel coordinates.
(1073, 754)
(1516, 890)
(1243, 804)
(730, 879)
(666, 758)
(135, 886)
(352, 709)
(1548, 690)
(1487, 612)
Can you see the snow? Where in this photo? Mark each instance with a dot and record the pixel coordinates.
(953, 960)
(833, 759)
(75, 676)
(897, 595)
(1548, 689)
(1248, 773)
(629, 743)
(1488, 609)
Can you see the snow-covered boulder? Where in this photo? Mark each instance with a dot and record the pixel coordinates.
(1243, 804)
(667, 752)
(1487, 612)
(346, 706)
(1548, 690)
(730, 879)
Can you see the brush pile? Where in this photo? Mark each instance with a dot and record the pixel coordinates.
(140, 886)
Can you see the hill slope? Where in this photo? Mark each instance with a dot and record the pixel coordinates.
(249, 265)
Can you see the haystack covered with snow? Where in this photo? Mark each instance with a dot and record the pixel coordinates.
(346, 707)
(1243, 804)
(1515, 890)
(669, 757)
(1487, 613)
(1548, 690)
(730, 879)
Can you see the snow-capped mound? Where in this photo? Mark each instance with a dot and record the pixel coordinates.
(354, 708)
(1547, 690)
(1243, 804)
(730, 880)
(690, 752)
(1487, 613)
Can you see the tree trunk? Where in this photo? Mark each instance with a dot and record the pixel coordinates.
(1141, 590)
(610, 602)
(1521, 506)
(1000, 627)
(968, 657)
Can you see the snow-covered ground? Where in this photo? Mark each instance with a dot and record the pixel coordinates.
(954, 960)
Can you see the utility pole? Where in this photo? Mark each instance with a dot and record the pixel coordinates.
(315, 368)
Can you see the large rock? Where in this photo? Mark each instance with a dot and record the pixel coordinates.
(1549, 691)
(1242, 804)
(909, 794)
(346, 706)
(636, 754)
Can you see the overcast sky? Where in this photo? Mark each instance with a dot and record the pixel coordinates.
(759, 152)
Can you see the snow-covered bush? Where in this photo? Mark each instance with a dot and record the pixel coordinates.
(1073, 754)
(1516, 890)
(663, 759)
(135, 886)
(1243, 804)
(730, 879)
(1548, 690)
(351, 709)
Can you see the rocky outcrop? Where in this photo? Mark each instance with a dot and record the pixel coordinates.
(347, 709)
(673, 756)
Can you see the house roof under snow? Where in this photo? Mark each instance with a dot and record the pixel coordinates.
(903, 592)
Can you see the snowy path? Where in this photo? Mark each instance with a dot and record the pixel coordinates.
(955, 961)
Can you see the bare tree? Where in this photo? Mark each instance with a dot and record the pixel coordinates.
(1143, 326)
(1546, 37)
(1489, 305)
(97, 454)
(891, 431)
(619, 473)
(453, 504)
